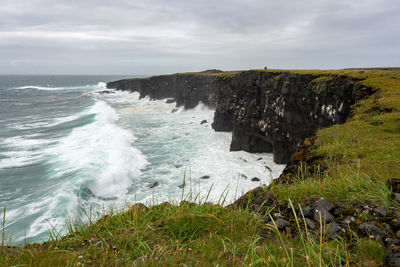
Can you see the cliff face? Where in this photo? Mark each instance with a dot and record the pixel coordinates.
(275, 112)
(186, 89)
(266, 111)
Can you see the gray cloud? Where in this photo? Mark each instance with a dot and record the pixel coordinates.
(154, 36)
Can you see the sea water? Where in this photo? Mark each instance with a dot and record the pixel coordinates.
(67, 148)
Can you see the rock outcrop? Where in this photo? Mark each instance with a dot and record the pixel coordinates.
(276, 111)
(266, 111)
(186, 89)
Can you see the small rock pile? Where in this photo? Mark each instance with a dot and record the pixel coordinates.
(336, 218)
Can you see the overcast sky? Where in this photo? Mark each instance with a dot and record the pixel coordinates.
(154, 36)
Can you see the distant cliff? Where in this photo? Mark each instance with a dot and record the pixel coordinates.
(275, 111)
(187, 89)
(266, 111)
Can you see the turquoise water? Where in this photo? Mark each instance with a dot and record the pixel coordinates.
(65, 148)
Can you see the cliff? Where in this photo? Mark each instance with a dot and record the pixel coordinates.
(276, 111)
(187, 89)
(267, 111)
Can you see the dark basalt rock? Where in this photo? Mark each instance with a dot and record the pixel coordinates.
(255, 179)
(154, 185)
(203, 121)
(323, 203)
(205, 177)
(186, 89)
(380, 211)
(276, 111)
(324, 215)
(371, 230)
(170, 100)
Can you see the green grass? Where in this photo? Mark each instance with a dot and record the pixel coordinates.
(190, 234)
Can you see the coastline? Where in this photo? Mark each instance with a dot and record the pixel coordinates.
(349, 163)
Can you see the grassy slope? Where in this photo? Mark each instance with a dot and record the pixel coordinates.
(360, 154)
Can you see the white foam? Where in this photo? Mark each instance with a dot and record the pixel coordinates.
(49, 88)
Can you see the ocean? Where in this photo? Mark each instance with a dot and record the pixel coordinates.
(66, 149)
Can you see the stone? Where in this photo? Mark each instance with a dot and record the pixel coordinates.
(380, 211)
(332, 229)
(241, 175)
(394, 185)
(307, 212)
(203, 121)
(204, 177)
(153, 184)
(255, 179)
(323, 203)
(310, 224)
(181, 186)
(174, 110)
(139, 262)
(281, 224)
(396, 196)
(139, 206)
(371, 230)
(324, 214)
(170, 100)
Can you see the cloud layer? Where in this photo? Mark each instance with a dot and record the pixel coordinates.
(154, 36)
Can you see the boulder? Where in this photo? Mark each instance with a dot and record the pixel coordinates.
(153, 184)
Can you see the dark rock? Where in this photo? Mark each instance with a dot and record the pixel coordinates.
(380, 211)
(281, 224)
(105, 92)
(205, 177)
(325, 215)
(255, 179)
(259, 159)
(371, 230)
(323, 203)
(241, 175)
(340, 209)
(181, 186)
(170, 100)
(332, 229)
(174, 110)
(307, 212)
(396, 196)
(242, 159)
(154, 185)
(394, 185)
(139, 206)
(310, 224)
(392, 259)
(203, 121)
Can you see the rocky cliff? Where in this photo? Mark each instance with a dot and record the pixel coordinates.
(276, 111)
(186, 89)
(266, 111)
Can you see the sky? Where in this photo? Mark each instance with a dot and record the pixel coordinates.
(146, 37)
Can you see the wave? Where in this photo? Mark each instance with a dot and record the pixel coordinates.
(97, 158)
(50, 88)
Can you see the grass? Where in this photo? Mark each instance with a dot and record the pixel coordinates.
(189, 235)
(359, 156)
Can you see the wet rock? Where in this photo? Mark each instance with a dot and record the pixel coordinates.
(203, 121)
(242, 159)
(324, 215)
(380, 211)
(323, 203)
(105, 92)
(259, 159)
(255, 179)
(241, 175)
(371, 230)
(174, 110)
(170, 100)
(204, 177)
(154, 185)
